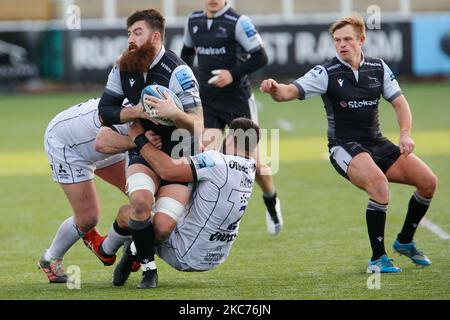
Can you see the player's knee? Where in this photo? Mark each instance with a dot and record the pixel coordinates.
(123, 215)
(86, 222)
(428, 185)
(141, 203)
(141, 189)
(379, 189)
(163, 226)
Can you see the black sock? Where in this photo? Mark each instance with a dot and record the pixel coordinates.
(376, 220)
(270, 204)
(143, 237)
(417, 208)
(119, 230)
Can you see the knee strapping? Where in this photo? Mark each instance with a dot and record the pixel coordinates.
(140, 181)
(169, 206)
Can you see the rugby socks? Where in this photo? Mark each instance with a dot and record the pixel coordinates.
(376, 221)
(67, 234)
(417, 209)
(143, 237)
(270, 199)
(116, 238)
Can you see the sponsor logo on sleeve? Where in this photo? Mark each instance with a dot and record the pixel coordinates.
(186, 79)
(203, 160)
(249, 28)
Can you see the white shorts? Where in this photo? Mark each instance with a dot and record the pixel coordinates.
(167, 251)
(69, 165)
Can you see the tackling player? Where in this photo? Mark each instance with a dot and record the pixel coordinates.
(74, 162)
(222, 184)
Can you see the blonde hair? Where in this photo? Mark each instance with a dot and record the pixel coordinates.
(354, 20)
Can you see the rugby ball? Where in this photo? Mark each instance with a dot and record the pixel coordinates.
(156, 90)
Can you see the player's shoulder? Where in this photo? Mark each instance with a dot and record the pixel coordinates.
(208, 159)
(373, 62)
(196, 15)
(170, 60)
(332, 65)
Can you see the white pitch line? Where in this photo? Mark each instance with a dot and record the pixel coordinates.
(435, 229)
(285, 125)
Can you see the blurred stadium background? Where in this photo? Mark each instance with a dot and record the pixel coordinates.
(54, 54)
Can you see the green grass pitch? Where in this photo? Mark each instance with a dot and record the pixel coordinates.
(321, 253)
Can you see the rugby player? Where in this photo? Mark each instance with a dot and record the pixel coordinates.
(145, 62)
(74, 162)
(228, 48)
(222, 184)
(350, 85)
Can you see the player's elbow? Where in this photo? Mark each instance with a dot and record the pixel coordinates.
(264, 60)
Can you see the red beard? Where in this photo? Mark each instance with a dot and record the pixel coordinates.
(137, 60)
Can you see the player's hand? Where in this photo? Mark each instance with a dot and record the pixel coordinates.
(269, 86)
(154, 139)
(135, 129)
(164, 108)
(139, 112)
(221, 78)
(406, 144)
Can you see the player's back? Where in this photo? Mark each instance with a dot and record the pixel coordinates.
(77, 127)
(211, 223)
(77, 124)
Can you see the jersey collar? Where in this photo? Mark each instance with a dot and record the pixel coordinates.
(221, 12)
(158, 57)
(347, 64)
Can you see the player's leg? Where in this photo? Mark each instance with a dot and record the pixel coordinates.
(86, 208)
(413, 171)
(106, 247)
(142, 184)
(114, 173)
(354, 163)
(78, 185)
(169, 207)
(274, 218)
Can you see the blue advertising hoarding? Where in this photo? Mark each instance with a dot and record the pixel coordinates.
(431, 45)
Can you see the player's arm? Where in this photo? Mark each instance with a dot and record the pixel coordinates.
(393, 93)
(167, 168)
(188, 55)
(257, 60)
(278, 91)
(110, 141)
(184, 84)
(313, 83)
(404, 119)
(188, 51)
(110, 106)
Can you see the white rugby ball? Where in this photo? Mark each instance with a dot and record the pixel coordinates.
(156, 90)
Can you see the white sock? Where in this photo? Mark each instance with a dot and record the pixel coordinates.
(114, 241)
(65, 237)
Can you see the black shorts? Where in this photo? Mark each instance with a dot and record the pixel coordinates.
(383, 152)
(220, 109)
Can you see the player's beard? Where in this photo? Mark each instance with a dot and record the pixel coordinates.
(137, 59)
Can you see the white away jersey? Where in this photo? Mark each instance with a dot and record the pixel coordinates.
(205, 234)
